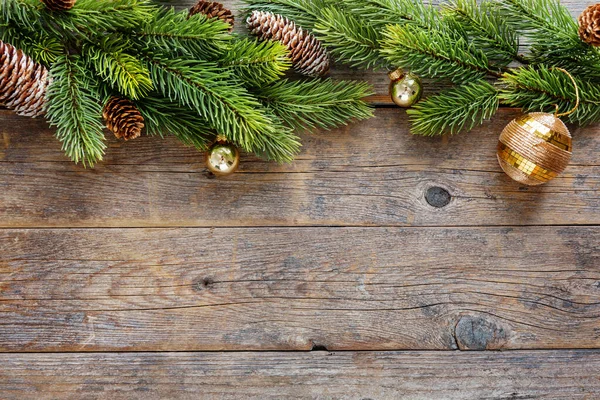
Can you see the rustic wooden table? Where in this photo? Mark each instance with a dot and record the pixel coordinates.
(365, 270)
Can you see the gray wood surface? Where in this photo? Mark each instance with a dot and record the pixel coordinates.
(318, 375)
(299, 288)
(370, 174)
(146, 279)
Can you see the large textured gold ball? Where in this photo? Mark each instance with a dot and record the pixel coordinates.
(535, 148)
(223, 159)
(405, 88)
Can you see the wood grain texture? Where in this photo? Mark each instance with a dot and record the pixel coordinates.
(317, 375)
(299, 288)
(370, 174)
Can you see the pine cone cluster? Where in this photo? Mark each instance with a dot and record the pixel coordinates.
(212, 9)
(589, 25)
(59, 5)
(23, 82)
(307, 54)
(123, 118)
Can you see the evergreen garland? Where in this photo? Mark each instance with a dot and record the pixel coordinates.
(472, 44)
(188, 75)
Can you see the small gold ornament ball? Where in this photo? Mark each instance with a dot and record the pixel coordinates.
(535, 148)
(222, 159)
(405, 88)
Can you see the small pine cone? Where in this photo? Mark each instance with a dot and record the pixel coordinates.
(307, 54)
(123, 118)
(23, 82)
(589, 25)
(212, 9)
(59, 5)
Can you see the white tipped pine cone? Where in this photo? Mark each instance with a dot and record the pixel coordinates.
(59, 5)
(307, 54)
(23, 82)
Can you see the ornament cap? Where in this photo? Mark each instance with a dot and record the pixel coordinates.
(397, 74)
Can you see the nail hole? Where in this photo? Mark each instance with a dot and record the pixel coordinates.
(203, 284)
(437, 197)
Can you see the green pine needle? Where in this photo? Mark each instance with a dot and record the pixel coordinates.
(455, 110)
(313, 104)
(125, 73)
(486, 27)
(178, 33)
(73, 108)
(349, 39)
(163, 117)
(256, 63)
(542, 88)
(435, 54)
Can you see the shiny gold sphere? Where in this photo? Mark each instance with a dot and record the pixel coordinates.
(405, 88)
(535, 148)
(222, 159)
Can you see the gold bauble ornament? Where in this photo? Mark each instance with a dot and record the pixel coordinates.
(535, 148)
(222, 159)
(405, 88)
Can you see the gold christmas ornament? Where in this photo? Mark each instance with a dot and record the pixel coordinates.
(222, 159)
(535, 148)
(405, 88)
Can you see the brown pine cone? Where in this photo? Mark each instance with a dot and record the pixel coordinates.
(589, 25)
(212, 9)
(307, 54)
(23, 82)
(123, 118)
(59, 5)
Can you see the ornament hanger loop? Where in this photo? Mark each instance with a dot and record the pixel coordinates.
(556, 114)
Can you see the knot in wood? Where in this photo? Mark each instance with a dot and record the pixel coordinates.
(437, 197)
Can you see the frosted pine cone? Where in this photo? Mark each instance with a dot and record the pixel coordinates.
(123, 118)
(59, 5)
(212, 9)
(307, 54)
(589, 25)
(23, 82)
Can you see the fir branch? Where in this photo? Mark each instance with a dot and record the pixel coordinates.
(539, 19)
(122, 71)
(42, 48)
(23, 13)
(454, 110)
(74, 109)
(179, 33)
(256, 62)
(95, 17)
(317, 104)
(435, 54)
(488, 30)
(349, 39)
(380, 13)
(542, 88)
(229, 109)
(162, 116)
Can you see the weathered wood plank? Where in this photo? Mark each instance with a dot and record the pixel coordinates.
(297, 288)
(317, 375)
(372, 173)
